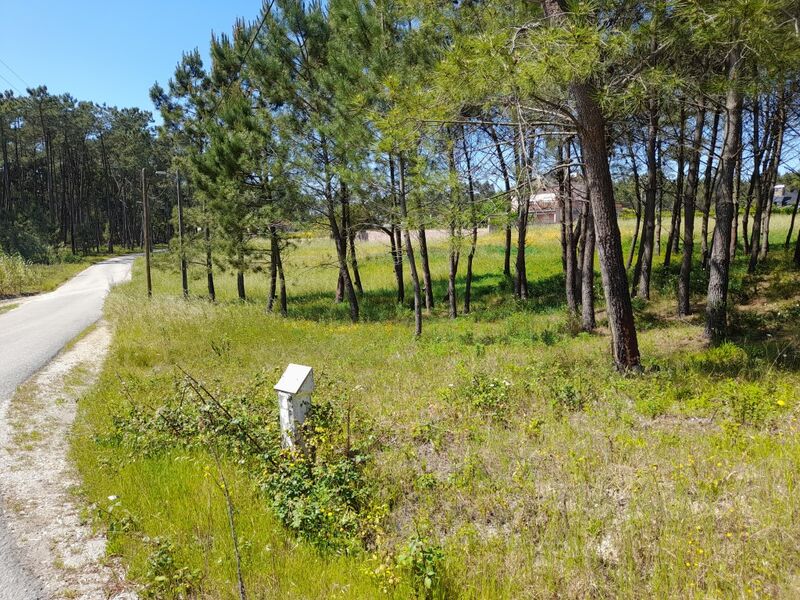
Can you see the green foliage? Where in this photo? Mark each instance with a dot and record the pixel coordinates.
(423, 560)
(520, 486)
(322, 494)
(655, 404)
(748, 403)
(319, 493)
(487, 395)
(567, 398)
(16, 275)
(72, 175)
(165, 579)
(725, 359)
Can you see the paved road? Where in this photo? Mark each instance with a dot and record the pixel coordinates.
(29, 337)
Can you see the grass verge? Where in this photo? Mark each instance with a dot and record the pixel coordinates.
(503, 455)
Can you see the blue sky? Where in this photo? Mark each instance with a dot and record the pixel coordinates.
(109, 52)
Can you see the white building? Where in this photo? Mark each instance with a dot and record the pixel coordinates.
(783, 197)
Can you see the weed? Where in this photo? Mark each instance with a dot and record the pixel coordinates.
(423, 561)
(567, 397)
(520, 500)
(165, 579)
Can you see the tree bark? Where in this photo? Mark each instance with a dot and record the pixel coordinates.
(587, 274)
(791, 225)
(507, 182)
(473, 215)
(796, 258)
(454, 242)
(709, 189)
(638, 191)
(591, 127)
(397, 242)
(412, 264)
(240, 285)
(719, 263)
(568, 248)
(282, 279)
(646, 246)
(689, 207)
(340, 240)
(523, 206)
(209, 264)
(673, 242)
(426, 268)
(771, 174)
(273, 267)
(755, 189)
(737, 186)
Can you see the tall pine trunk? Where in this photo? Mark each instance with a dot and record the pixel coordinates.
(568, 248)
(524, 193)
(591, 126)
(791, 225)
(673, 242)
(587, 273)
(592, 129)
(454, 241)
(638, 190)
(646, 248)
(240, 285)
(426, 267)
(339, 238)
(755, 191)
(412, 264)
(772, 173)
(212, 294)
(395, 234)
(709, 190)
(719, 263)
(507, 183)
(273, 267)
(473, 215)
(689, 204)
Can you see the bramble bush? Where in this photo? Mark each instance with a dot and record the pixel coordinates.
(320, 493)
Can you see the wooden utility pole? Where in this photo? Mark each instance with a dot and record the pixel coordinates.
(146, 226)
(184, 275)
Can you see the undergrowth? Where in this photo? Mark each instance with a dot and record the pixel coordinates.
(499, 456)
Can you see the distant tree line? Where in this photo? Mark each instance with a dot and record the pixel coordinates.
(70, 175)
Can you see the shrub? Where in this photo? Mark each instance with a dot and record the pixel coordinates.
(488, 395)
(747, 403)
(16, 275)
(726, 359)
(423, 561)
(321, 494)
(567, 397)
(165, 579)
(654, 404)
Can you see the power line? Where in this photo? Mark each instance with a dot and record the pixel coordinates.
(17, 75)
(250, 45)
(11, 84)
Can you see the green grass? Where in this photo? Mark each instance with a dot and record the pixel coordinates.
(18, 278)
(4, 308)
(501, 438)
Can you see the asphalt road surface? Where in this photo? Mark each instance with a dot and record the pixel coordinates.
(30, 336)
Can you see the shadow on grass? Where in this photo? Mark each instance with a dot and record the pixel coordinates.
(492, 299)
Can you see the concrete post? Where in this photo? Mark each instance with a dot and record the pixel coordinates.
(294, 401)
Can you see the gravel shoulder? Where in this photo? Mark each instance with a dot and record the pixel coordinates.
(43, 512)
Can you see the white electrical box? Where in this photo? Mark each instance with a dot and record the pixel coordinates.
(294, 401)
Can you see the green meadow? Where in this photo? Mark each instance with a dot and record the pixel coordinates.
(498, 456)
